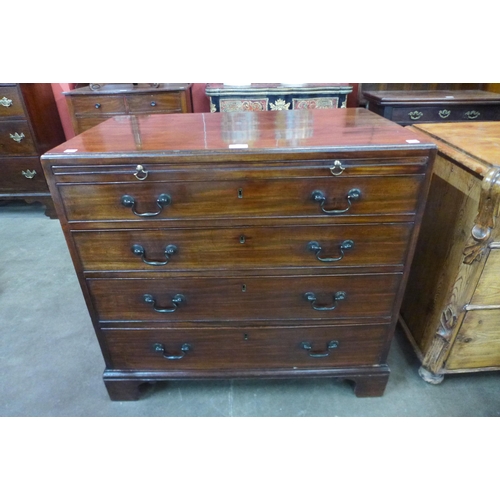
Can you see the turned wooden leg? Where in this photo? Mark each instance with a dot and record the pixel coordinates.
(370, 386)
(123, 390)
(429, 377)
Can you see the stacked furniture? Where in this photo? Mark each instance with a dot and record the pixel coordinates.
(451, 309)
(282, 256)
(29, 126)
(276, 96)
(93, 104)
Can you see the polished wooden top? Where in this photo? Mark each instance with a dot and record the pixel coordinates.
(245, 133)
(128, 88)
(386, 97)
(475, 145)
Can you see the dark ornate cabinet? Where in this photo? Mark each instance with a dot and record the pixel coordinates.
(276, 96)
(432, 106)
(282, 256)
(29, 126)
(90, 107)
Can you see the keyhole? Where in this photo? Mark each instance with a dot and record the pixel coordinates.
(242, 239)
(245, 336)
(243, 288)
(240, 193)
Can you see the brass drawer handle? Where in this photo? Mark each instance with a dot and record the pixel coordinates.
(6, 102)
(17, 137)
(161, 348)
(337, 168)
(162, 201)
(352, 195)
(333, 344)
(415, 115)
(176, 301)
(140, 252)
(444, 113)
(29, 174)
(141, 173)
(472, 115)
(311, 297)
(314, 246)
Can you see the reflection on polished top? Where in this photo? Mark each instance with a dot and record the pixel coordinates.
(295, 130)
(479, 140)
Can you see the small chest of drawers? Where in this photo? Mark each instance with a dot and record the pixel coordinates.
(29, 126)
(285, 256)
(432, 106)
(276, 96)
(90, 107)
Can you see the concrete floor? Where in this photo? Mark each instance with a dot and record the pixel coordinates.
(51, 365)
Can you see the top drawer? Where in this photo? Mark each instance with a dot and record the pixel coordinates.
(10, 102)
(169, 102)
(98, 104)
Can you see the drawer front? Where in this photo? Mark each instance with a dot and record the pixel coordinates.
(22, 175)
(245, 348)
(332, 198)
(488, 289)
(443, 113)
(477, 344)
(245, 298)
(98, 104)
(16, 138)
(168, 102)
(314, 246)
(83, 123)
(10, 103)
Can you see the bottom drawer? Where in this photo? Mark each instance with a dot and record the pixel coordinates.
(22, 175)
(246, 348)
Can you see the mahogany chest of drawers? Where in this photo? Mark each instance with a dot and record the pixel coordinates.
(451, 309)
(432, 106)
(282, 256)
(29, 126)
(89, 107)
(276, 96)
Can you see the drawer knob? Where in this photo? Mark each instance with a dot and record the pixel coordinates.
(314, 246)
(415, 115)
(176, 301)
(140, 252)
(333, 344)
(311, 297)
(472, 115)
(97, 105)
(17, 137)
(352, 195)
(161, 348)
(162, 201)
(6, 102)
(153, 103)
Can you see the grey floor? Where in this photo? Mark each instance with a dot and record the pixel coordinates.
(50, 362)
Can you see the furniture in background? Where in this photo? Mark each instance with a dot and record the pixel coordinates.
(276, 96)
(451, 309)
(95, 103)
(29, 126)
(429, 106)
(286, 256)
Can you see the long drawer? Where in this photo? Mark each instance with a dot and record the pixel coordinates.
(244, 298)
(10, 102)
(16, 138)
(269, 198)
(245, 348)
(316, 246)
(25, 175)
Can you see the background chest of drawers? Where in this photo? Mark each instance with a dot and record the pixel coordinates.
(451, 310)
(282, 257)
(431, 106)
(90, 107)
(29, 126)
(276, 96)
